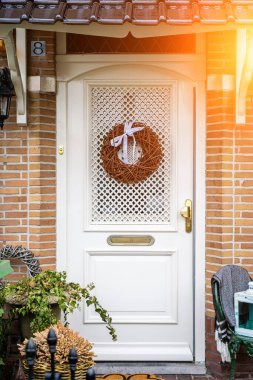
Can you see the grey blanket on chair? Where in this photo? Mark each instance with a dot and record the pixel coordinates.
(231, 279)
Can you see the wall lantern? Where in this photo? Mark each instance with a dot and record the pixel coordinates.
(6, 93)
(244, 311)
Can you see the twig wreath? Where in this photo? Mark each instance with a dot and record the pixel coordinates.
(24, 255)
(131, 152)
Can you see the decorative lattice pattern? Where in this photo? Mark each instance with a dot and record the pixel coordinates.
(81, 44)
(146, 202)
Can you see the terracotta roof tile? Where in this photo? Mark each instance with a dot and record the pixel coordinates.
(139, 12)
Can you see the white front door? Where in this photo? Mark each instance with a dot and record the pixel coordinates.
(147, 289)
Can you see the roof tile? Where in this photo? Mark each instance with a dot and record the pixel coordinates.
(12, 13)
(140, 12)
(45, 13)
(77, 14)
(243, 14)
(180, 15)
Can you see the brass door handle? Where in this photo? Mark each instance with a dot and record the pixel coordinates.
(186, 212)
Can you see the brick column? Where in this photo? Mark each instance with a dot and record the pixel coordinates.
(28, 166)
(229, 184)
(219, 179)
(42, 156)
(14, 185)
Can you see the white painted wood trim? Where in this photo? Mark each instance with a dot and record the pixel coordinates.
(241, 51)
(61, 178)
(188, 66)
(16, 57)
(244, 70)
(21, 49)
(199, 222)
(144, 351)
(120, 31)
(115, 58)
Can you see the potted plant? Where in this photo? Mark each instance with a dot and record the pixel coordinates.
(66, 339)
(42, 297)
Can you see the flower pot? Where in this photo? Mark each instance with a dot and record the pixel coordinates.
(25, 321)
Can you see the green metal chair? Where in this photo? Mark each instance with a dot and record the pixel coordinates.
(236, 341)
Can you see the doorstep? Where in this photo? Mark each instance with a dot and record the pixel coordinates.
(167, 368)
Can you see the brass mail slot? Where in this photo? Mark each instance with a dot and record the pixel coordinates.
(130, 240)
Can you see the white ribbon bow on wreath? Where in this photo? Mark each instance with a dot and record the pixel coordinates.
(128, 131)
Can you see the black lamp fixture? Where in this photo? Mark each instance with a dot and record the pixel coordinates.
(6, 93)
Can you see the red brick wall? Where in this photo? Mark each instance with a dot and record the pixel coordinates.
(229, 186)
(28, 167)
(243, 192)
(219, 185)
(28, 182)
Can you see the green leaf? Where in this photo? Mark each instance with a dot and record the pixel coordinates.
(36, 291)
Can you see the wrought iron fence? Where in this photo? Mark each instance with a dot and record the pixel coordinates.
(53, 375)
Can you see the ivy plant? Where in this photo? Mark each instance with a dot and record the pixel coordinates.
(37, 294)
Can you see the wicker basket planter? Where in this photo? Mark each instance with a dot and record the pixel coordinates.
(40, 369)
(62, 339)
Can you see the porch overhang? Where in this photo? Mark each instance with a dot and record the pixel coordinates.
(141, 18)
(117, 18)
(122, 30)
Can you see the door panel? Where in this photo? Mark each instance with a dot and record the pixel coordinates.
(123, 279)
(148, 290)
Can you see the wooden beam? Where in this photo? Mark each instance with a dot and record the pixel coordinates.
(16, 57)
(120, 31)
(244, 69)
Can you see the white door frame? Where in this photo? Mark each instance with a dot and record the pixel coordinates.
(193, 67)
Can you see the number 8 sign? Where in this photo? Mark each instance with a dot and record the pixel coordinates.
(38, 48)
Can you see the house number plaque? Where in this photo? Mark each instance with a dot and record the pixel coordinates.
(130, 240)
(38, 48)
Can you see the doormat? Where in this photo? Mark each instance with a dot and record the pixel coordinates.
(119, 376)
